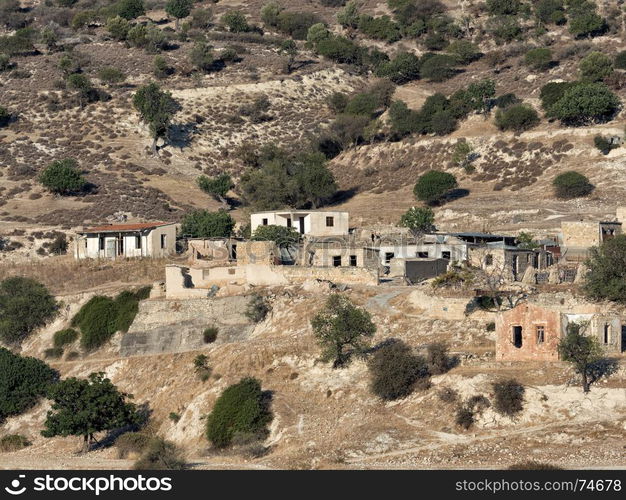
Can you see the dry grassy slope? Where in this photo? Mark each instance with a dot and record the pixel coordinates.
(327, 418)
(509, 190)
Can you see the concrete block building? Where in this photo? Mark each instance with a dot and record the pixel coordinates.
(307, 222)
(111, 241)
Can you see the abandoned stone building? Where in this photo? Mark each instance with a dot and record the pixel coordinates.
(579, 236)
(110, 241)
(531, 331)
(307, 222)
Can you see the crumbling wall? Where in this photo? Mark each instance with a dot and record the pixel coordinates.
(443, 307)
(178, 325)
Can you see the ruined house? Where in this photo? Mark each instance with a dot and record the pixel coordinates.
(111, 241)
(580, 236)
(306, 222)
(532, 331)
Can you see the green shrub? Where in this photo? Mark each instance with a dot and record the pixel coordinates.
(201, 367)
(210, 334)
(438, 359)
(174, 417)
(53, 353)
(551, 92)
(258, 308)
(160, 454)
(464, 417)
(585, 103)
(394, 369)
(595, 67)
(539, 58)
(24, 306)
(403, 68)
(518, 117)
(205, 224)
(97, 321)
(65, 337)
(340, 50)
(491, 326)
(437, 67)
(5, 116)
(296, 24)
(506, 100)
(619, 62)
(281, 235)
(13, 442)
(111, 76)
(131, 443)
(379, 28)
(464, 51)
(235, 21)
(550, 11)
(505, 29)
(586, 25)
(605, 280)
(503, 7)
(508, 397)
(102, 316)
(24, 380)
(130, 9)
(434, 185)
(603, 145)
(63, 177)
(242, 409)
(118, 27)
(201, 56)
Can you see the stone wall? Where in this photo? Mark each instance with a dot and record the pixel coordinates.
(178, 325)
(444, 307)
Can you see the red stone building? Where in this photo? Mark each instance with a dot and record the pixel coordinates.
(531, 332)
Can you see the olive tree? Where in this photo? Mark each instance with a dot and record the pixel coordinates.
(156, 108)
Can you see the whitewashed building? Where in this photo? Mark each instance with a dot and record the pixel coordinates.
(309, 222)
(111, 241)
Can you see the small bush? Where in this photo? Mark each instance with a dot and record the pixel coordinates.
(242, 409)
(532, 465)
(603, 145)
(619, 62)
(25, 305)
(571, 184)
(53, 353)
(65, 337)
(13, 442)
(131, 443)
(464, 417)
(437, 67)
(448, 395)
(438, 360)
(174, 417)
(539, 58)
(394, 370)
(518, 117)
(491, 327)
(24, 380)
(160, 454)
(257, 309)
(595, 67)
(63, 177)
(433, 186)
(201, 367)
(210, 334)
(509, 397)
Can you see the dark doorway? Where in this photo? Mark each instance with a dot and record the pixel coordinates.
(301, 225)
(517, 336)
(623, 338)
(233, 252)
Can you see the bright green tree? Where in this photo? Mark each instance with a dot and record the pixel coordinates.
(217, 187)
(595, 67)
(242, 411)
(156, 108)
(130, 9)
(571, 184)
(281, 235)
(178, 9)
(585, 355)
(606, 275)
(419, 220)
(433, 186)
(205, 224)
(25, 305)
(63, 177)
(84, 407)
(341, 329)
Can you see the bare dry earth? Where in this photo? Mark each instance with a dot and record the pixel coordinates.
(325, 418)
